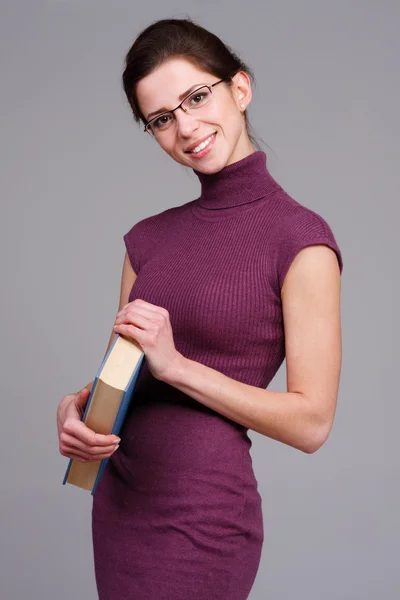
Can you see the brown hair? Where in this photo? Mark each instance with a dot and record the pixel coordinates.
(172, 38)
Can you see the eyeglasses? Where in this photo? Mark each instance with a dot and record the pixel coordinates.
(197, 99)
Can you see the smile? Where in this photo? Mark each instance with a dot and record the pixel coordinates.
(203, 144)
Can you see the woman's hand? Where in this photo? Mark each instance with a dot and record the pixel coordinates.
(150, 326)
(76, 440)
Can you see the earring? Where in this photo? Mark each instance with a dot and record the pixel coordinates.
(242, 106)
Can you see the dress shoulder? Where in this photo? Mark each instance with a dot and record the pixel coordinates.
(298, 227)
(144, 234)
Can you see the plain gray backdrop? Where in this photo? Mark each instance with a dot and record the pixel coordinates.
(77, 173)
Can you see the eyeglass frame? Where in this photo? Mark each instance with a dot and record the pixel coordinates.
(209, 86)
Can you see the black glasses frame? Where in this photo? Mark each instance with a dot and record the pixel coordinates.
(146, 128)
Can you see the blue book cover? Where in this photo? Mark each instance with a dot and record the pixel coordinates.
(120, 417)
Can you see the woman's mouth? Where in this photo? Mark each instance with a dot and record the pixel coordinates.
(203, 148)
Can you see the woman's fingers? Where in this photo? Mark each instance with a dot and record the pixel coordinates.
(78, 429)
(71, 444)
(80, 442)
(90, 455)
(76, 440)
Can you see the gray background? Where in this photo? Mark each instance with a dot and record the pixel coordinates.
(77, 173)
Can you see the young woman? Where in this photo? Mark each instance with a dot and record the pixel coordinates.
(217, 291)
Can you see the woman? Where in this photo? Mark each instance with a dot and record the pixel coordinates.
(217, 291)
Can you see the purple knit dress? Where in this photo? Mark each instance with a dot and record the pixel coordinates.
(177, 514)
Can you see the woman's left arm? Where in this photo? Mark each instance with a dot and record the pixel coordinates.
(303, 416)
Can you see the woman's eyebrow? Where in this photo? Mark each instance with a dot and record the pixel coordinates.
(181, 97)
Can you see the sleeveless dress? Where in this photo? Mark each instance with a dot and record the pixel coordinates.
(177, 514)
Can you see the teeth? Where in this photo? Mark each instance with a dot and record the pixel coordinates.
(203, 144)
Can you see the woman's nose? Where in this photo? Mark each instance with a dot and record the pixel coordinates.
(185, 122)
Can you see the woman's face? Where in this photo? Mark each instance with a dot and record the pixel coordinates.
(223, 115)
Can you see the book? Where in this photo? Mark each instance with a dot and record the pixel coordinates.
(105, 411)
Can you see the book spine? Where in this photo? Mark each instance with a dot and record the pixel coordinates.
(82, 419)
(90, 399)
(120, 418)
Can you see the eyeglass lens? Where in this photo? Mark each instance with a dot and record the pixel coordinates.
(197, 99)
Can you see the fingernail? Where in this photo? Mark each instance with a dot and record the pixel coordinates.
(116, 448)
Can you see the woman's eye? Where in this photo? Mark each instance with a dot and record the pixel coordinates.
(199, 97)
(159, 122)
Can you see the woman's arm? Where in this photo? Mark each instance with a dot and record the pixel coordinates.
(303, 416)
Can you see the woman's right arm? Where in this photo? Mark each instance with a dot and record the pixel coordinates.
(76, 440)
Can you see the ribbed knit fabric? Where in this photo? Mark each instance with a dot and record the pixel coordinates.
(177, 515)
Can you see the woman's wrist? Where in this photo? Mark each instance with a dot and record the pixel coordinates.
(175, 370)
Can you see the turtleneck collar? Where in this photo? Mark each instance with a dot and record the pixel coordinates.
(241, 182)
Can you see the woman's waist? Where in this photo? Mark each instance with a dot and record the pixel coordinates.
(167, 435)
(214, 488)
(211, 504)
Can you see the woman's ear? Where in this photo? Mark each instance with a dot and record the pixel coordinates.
(242, 89)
